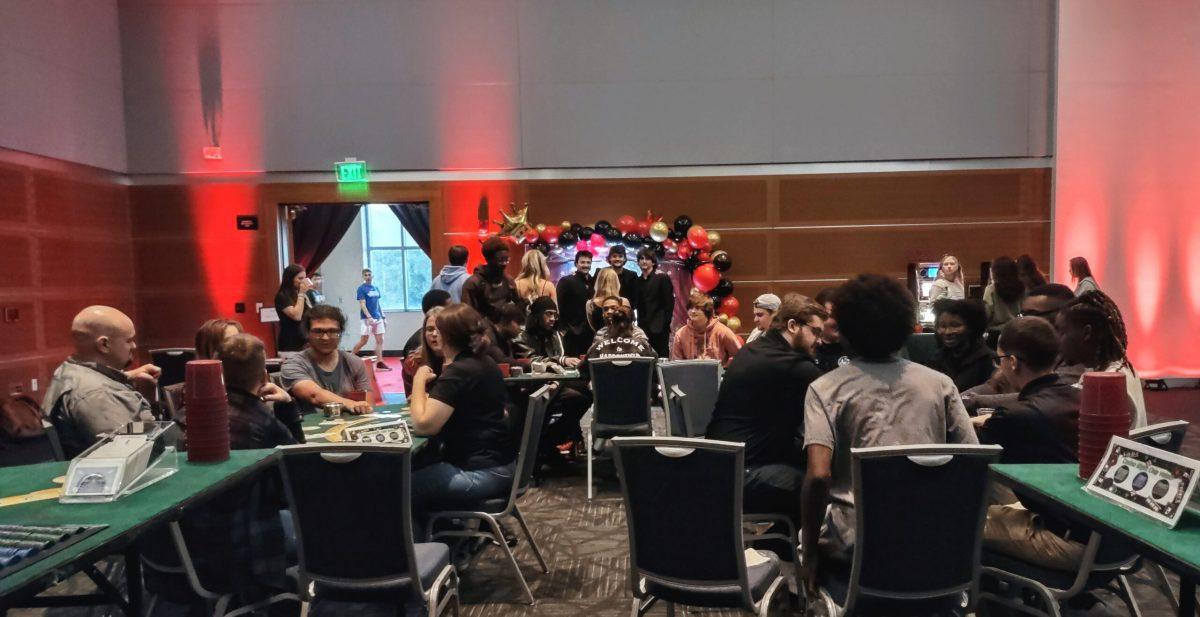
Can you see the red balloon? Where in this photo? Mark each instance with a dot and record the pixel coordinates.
(531, 235)
(704, 256)
(706, 277)
(598, 241)
(551, 233)
(684, 251)
(730, 306)
(626, 223)
(698, 237)
(643, 227)
(669, 245)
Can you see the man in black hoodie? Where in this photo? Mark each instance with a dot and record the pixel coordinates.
(761, 403)
(489, 288)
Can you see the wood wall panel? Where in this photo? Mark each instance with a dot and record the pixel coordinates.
(64, 245)
(748, 249)
(717, 202)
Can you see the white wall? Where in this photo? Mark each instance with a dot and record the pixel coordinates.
(435, 84)
(60, 80)
(342, 271)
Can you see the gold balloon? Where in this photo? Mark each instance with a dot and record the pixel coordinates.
(723, 318)
(540, 228)
(734, 324)
(714, 239)
(515, 223)
(659, 231)
(566, 225)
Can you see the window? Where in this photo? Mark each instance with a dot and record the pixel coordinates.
(403, 272)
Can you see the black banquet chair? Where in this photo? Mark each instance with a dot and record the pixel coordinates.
(490, 512)
(621, 403)
(689, 391)
(352, 509)
(903, 564)
(173, 362)
(683, 506)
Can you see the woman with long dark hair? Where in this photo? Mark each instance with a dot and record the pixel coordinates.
(291, 302)
(1029, 273)
(211, 334)
(464, 408)
(1003, 296)
(429, 353)
(1081, 276)
(1091, 332)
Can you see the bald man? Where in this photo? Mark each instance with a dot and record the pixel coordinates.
(91, 393)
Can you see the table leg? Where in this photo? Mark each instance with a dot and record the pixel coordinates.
(133, 581)
(1187, 596)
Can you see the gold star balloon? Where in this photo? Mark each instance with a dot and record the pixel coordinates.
(514, 224)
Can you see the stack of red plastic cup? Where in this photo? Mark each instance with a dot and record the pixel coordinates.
(207, 412)
(1103, 412)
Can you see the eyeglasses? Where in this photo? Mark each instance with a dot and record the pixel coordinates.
(1042, 314)
(550, 313)
(817, 331)
(997, 358)
(326, 333)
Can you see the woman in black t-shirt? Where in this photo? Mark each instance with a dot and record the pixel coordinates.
(464, 408)
(291, 302)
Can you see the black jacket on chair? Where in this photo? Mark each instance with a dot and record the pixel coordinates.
(655, 303)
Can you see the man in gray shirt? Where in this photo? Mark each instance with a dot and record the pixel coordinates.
(322, 373)
(875, 400)
(91, 393)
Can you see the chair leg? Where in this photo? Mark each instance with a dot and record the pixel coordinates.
(670, 609)
(637, 608)
(1127, 596)
(1158, 578)
(587, 444)
(532, 544)
(499, 535)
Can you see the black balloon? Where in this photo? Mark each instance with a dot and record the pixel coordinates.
(585, 233)
(722, 261)
(603, 226)
(660, 250)
(576, 227)
(676, 236)
(633, 238)
(723, 288)
(683, 223)
(612, 234)
(542, 246)
(568, 238)
(692, 262)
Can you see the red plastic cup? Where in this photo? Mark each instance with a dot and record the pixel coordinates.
(203, 379)
(505, 369)
(1104, 394)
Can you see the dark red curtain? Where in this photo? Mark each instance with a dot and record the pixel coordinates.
(318, 229)
(415, 219)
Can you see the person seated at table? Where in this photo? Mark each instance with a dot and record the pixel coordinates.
(830, 352)
(464, 408)
(764, 311)
(211, 334)
(608, 285)
(1040, 426)
(252, 421)
(610, 306)
(322, 373)
(92, 393)
(503, 333)
(619, 338)
(761, 403)
(961, 353)
(432, 298)
(877, 399)
(703, 336)
(1092, 334)
(428, 354)
(540, 341)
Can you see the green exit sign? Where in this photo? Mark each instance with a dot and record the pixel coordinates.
(351, 171)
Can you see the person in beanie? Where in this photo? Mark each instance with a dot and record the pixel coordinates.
(540, 341)
(765, 307)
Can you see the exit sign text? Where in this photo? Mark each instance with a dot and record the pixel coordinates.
(351, 171)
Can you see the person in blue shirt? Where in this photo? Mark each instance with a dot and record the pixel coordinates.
(373, 322)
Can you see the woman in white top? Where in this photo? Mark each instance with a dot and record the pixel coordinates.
(949, 283)
(1081, 275)
(1093, 335)
(534, 280)
(608, 284)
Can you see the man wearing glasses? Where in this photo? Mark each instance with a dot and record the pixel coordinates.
(761, 403)
(322, 373)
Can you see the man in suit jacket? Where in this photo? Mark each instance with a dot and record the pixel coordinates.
(574, 290)
(655, 302)
(628, 278)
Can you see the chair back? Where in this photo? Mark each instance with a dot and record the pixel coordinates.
(668, 480)
(531, 436)
(699, 380)
(173, 362)
(897, 492)
(29, 450)
(621, 390)
(1164, 436)
(920, 347)
(351, 506)
(172, 402)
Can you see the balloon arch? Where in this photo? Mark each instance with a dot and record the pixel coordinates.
(688, 251)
